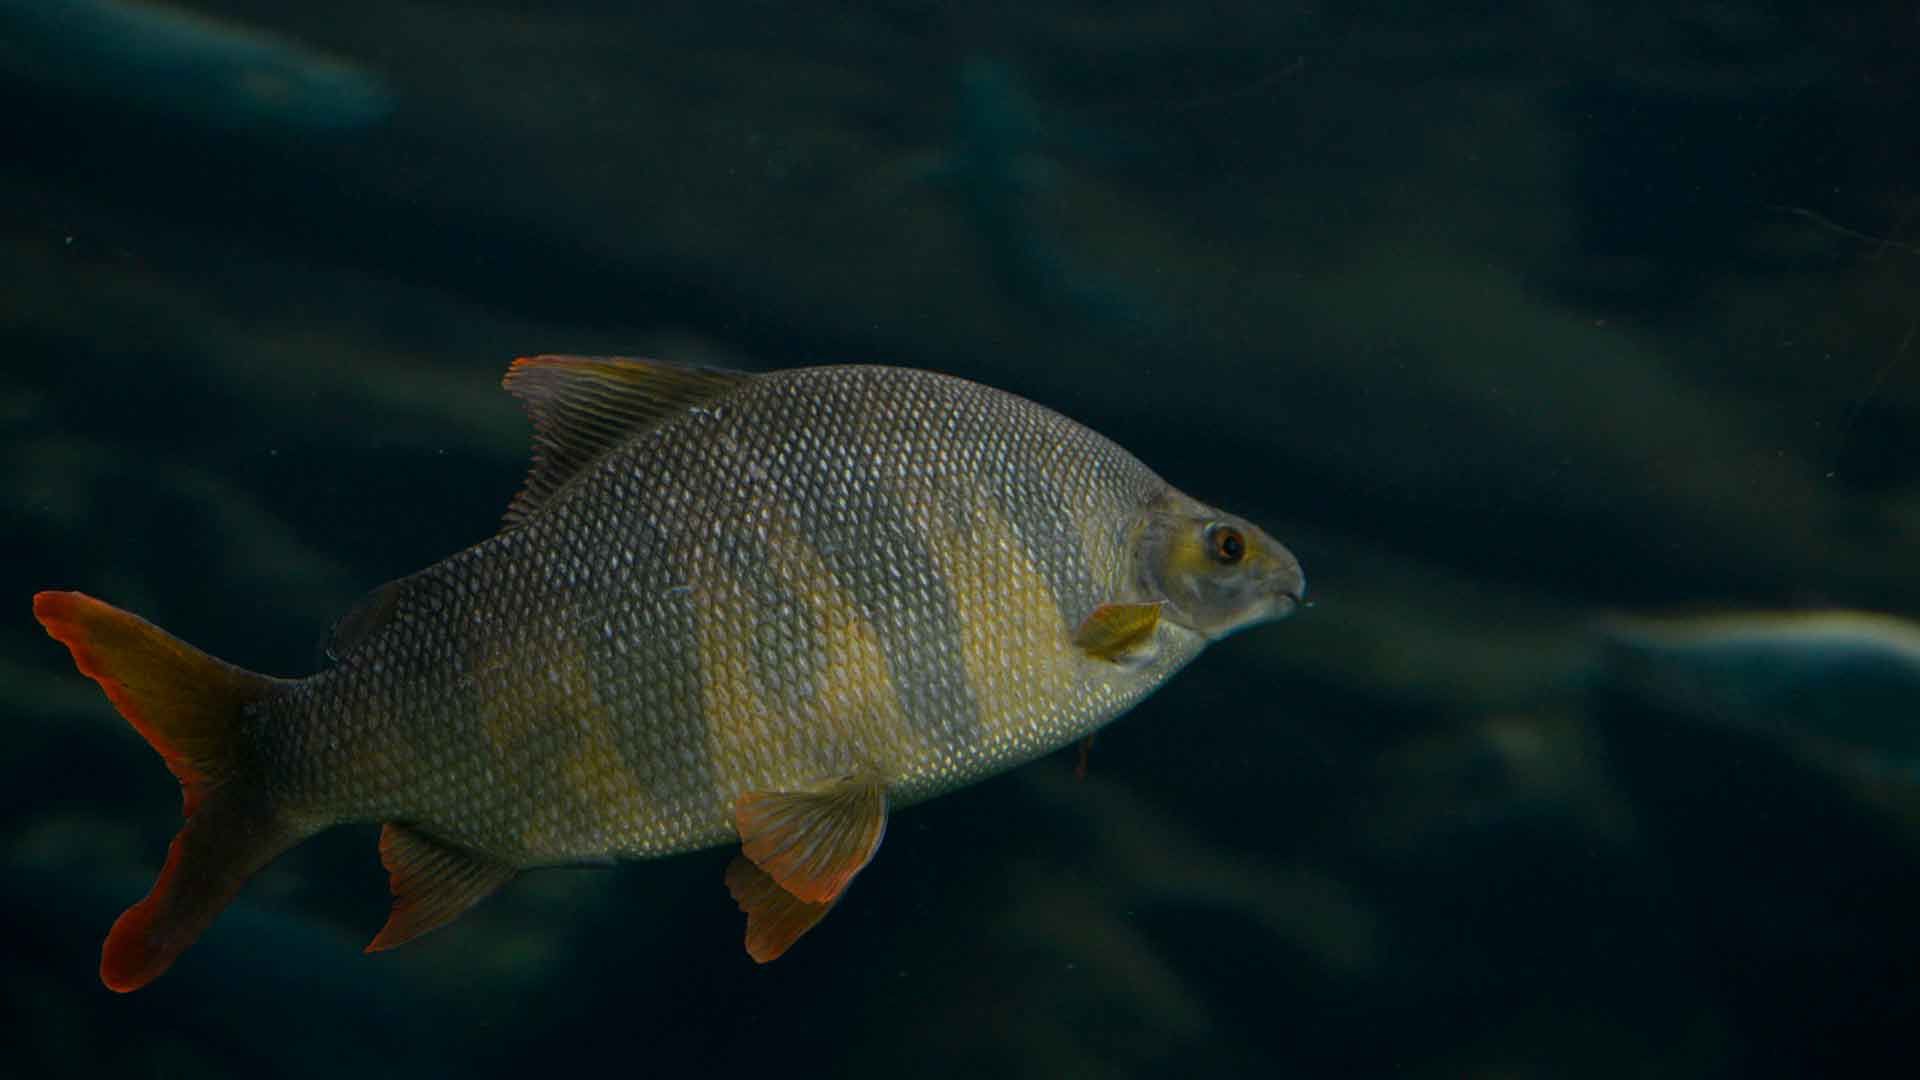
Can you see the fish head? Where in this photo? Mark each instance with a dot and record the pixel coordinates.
(1216, 572)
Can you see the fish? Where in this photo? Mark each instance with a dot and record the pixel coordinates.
(187, 68)
(1843, 679)
(726, 607)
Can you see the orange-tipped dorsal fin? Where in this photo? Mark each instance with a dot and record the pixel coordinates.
(433, 883)
(799, 850)
(1117, 632)
(583, 406)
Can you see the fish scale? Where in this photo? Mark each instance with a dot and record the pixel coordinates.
(725, 607)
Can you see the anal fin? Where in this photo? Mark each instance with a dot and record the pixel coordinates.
(433, 883)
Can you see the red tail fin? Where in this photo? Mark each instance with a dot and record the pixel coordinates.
(187, 705)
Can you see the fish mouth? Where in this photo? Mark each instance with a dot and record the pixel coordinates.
(1289, 590)
(1292, 600)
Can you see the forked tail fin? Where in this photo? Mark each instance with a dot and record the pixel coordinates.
(188, 706)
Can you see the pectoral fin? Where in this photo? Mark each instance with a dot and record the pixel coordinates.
(1117, 631)
(798, 852)
(433, 883)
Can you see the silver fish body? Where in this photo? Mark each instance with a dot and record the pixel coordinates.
(825, 570)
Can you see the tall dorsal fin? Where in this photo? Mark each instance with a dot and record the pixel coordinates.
(581, 406)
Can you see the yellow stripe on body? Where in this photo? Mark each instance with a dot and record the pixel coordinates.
(840, 715)
(551, 744)
(1015, 645)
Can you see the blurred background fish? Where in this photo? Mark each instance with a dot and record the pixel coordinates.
(1847, 679)
(180, 66)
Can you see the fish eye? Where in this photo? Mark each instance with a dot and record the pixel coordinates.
(1225, 544)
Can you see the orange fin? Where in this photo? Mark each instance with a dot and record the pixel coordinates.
(433, 883)
(583, 406)
(775, 917)
(1117, 631)
(188, 706)
(813, 842)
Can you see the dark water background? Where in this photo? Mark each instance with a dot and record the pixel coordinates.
(1504, 318)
